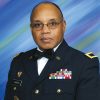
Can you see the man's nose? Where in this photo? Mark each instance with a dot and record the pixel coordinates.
(46, 29)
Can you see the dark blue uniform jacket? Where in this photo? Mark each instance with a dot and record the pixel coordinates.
(82, 82)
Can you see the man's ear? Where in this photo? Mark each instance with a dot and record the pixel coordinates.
(64, 25)
(30, 27)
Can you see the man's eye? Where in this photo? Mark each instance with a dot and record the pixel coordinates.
(53, 23)
(36, 25)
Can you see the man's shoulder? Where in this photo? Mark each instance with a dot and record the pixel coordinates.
(26, 54)
(83, 57)
(74, 55)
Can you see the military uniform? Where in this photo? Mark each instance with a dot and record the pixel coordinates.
(70, 75)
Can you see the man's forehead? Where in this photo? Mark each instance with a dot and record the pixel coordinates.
(46, 9)
(46, 5)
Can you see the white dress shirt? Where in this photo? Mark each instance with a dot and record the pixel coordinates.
(42, 61)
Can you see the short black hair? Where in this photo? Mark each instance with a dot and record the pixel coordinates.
(45, 2)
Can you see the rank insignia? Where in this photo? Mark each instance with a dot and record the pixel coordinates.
(19, 74)
(90, 55)
(62, 74)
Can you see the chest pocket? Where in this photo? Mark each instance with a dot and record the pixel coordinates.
(59, 86)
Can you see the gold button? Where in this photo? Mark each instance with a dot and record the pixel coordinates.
(58, 90)
(14, 88)
(37, 91)
(16, 98)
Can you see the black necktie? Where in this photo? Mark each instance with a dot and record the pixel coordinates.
(46, 53)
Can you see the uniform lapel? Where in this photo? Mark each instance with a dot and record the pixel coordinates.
(30, 66)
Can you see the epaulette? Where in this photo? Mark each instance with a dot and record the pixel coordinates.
(90, 55)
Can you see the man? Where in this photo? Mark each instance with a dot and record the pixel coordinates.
(53, 70)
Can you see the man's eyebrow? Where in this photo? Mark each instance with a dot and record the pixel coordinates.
(53, 19)
(36, 21)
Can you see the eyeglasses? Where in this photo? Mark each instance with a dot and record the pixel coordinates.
(51, 25)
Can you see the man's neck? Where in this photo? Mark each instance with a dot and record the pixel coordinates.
(54, 49)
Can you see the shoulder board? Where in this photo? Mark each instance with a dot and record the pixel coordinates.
(90, 55)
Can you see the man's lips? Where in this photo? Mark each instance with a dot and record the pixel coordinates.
(46, 40)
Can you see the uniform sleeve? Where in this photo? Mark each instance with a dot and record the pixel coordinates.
(9, 92)
(89, 81)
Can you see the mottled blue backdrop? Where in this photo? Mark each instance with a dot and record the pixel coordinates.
(82, 32)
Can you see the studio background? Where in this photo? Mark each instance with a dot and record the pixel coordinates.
(82, 32)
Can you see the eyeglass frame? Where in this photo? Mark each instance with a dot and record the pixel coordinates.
(47, 25)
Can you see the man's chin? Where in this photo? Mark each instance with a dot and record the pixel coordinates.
(45, 48)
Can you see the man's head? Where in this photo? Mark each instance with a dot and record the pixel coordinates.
(47, 25)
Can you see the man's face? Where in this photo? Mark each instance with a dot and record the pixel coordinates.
(47, 26)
